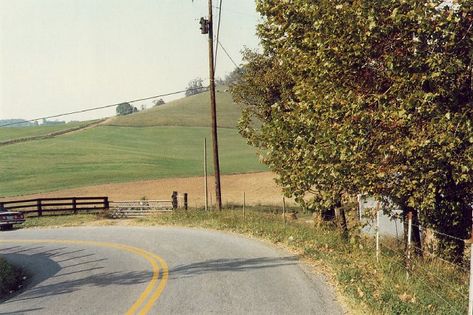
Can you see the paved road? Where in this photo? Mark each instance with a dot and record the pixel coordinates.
(118, 270)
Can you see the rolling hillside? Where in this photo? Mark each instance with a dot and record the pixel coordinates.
(162, 142)
(12, 133)
(193, 111)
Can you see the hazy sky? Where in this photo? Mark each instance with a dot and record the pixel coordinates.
(65, 55)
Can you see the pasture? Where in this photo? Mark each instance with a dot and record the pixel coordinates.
(107, 154)
(9, 133)
(192, 111)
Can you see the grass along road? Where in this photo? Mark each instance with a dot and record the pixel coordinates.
(97, 270)
(367, 286)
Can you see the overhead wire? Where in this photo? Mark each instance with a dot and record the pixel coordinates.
(218, 34)
(99, 107)
(228, 55)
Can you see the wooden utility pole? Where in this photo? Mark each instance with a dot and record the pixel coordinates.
(213, 107)
(206, 189)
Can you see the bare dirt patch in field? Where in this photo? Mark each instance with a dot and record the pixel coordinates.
(259, 188)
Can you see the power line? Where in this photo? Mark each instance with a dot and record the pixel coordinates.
(232, 11)
(228, 55)
(98, 107)
(218, 34)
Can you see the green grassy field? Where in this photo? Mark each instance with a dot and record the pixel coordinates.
(162, 142)
(193, 111)
(23, 132)
(109, 154)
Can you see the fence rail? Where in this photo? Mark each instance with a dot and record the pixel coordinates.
(41, 206)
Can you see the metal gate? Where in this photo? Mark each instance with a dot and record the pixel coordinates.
(139, 208)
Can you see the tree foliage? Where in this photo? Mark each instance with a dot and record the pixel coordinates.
(125, 109)
(195, 86)
(159, 102)
(366, 96)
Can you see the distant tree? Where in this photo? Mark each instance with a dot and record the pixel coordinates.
(159, 102)
(125, 109)
(233, 77)
(219, 81)
(195, 86)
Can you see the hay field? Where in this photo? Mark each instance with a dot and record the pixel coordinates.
(259, 188)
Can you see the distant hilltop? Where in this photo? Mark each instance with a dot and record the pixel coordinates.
(26, 123)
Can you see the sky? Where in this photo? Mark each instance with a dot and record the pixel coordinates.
(58, 56)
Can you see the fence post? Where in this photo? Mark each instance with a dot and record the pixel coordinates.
(2, 207)
(185, 201)
(106, 203)
(40, 208)
(377, 231)
(470, 291)
(360, 206)
(284, 209)
(244, 205)
(74, 205)
(409, 236)
(174, 200)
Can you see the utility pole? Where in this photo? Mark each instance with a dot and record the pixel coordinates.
(206, 187)
(206, 27)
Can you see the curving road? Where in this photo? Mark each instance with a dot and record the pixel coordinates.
(136, 270)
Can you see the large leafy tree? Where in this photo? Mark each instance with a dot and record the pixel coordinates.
(367, 96)
(125, 109)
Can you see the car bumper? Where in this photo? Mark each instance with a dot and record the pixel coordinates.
(8, 222)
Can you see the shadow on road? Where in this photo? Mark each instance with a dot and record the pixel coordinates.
(70, 272)
(233, 264)
(25, 311)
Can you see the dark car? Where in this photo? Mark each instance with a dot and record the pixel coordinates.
(8, 218)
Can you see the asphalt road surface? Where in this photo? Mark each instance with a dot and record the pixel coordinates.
(137, 270)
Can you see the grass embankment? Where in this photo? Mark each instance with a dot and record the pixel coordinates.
(366, 285)
(11, 278)
(60, 220)
(117, 154)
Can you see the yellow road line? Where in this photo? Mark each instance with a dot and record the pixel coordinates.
(150, 257)
(160, 288)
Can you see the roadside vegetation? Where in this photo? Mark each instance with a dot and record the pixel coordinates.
(11, 278)
(365, 285)
(367, 97)
(60, 220)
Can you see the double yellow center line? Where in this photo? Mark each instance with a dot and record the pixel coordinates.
(158, 281)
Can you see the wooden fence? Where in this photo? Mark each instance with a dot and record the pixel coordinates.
(56, 205)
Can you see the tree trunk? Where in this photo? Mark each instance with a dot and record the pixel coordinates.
(342, 219)
(450, 208)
